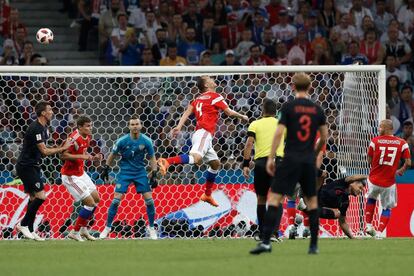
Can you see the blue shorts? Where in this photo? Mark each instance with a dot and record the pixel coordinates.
(139, 180)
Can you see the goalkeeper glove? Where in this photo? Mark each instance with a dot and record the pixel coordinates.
(105, 173)
(153, 181)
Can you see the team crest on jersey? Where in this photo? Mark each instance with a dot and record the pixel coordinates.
(37, 185)
(141, 147)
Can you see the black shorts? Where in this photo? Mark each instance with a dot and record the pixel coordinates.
(31, 178)
(262, 179)
(290, 172)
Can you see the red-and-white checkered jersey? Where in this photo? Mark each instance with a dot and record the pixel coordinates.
(80, 146)
(386, 152)
(206, 109)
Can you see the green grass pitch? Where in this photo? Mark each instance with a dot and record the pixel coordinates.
(206, 257)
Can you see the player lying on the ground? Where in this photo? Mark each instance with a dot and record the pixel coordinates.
(206, 108)
(333, 199)
(76, 181)
(132, 148)
(384, 154)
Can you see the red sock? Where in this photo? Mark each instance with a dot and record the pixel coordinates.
(80, 222)
(305, 220)
(209, 188)
(383, 223)
(291, 212)
(174, 160)
(369, 211)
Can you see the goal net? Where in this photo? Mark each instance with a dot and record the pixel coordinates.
(353, 98)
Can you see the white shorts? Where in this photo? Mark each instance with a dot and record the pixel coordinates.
(79, 187)
(388, 195)
(202, 142)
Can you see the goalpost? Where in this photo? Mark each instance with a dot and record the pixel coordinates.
(353, 98)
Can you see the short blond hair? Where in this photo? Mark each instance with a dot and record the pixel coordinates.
(302, 81)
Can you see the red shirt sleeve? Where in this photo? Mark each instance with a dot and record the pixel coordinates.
(219, 102)
(406, 151)
(371, 149)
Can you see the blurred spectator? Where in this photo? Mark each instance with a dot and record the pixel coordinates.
(343, 6)
(147, 58)
(107, 22)
(236, 7)
(86, 9)
(321, 55)
(314, 30)
(230, 58)
(176, 29)
(404, 110)
(193, 18)
(395, 122)
(354, 56)
(392, 92)
(10, 24)
(242, 50)
(367, 24)
(172, 58)
(382, 18)
(281, 53)
(165, 13)
(132, 53)
(4, 15)
(328, 16)
(273, 9)
(251, 12)
(301, 52)
(118, 39)
(9, 56)
(284, 31)
(19, 39)
(371, 47)
(392, 70)
(406, 16)
(205, 58)
(345, 30)
(257, 58)
(357, 13)
(231, 34)
(407, 135)
(190, 48)
(219, 13)
(258, 27)
(137, 16)
(150, 27)
(28, 52)
(398, 48)
(38, 59)
(301, 18)
(268, 46)
(159, 49)
(209, 36)
(393, 24)
(337, 45)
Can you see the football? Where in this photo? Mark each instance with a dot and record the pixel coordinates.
(44, 36)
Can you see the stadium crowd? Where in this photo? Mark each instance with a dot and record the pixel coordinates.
(233, 32)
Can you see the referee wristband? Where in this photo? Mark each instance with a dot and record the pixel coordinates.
(246, 163)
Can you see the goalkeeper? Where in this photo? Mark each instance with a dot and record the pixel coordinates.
(132, 148)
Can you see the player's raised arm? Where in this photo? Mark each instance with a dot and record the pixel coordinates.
(183, 119)
(231, 113)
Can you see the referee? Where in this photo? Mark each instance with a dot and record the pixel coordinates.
(260, 134)
(302, 118)
(28, 166)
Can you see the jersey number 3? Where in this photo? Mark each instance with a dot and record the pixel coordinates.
(199, 109)
(387, 156)
(305, 122)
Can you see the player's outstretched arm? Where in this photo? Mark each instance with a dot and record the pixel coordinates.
(345, 227)
(356, 177)
(231, 113)
(270, 165)
(45, 151)
(323, 131)
(183, 119)
(407, 164)
(247, 152)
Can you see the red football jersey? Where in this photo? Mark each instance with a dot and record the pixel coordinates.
(80, 146)
(206, 109)
(386, 152)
